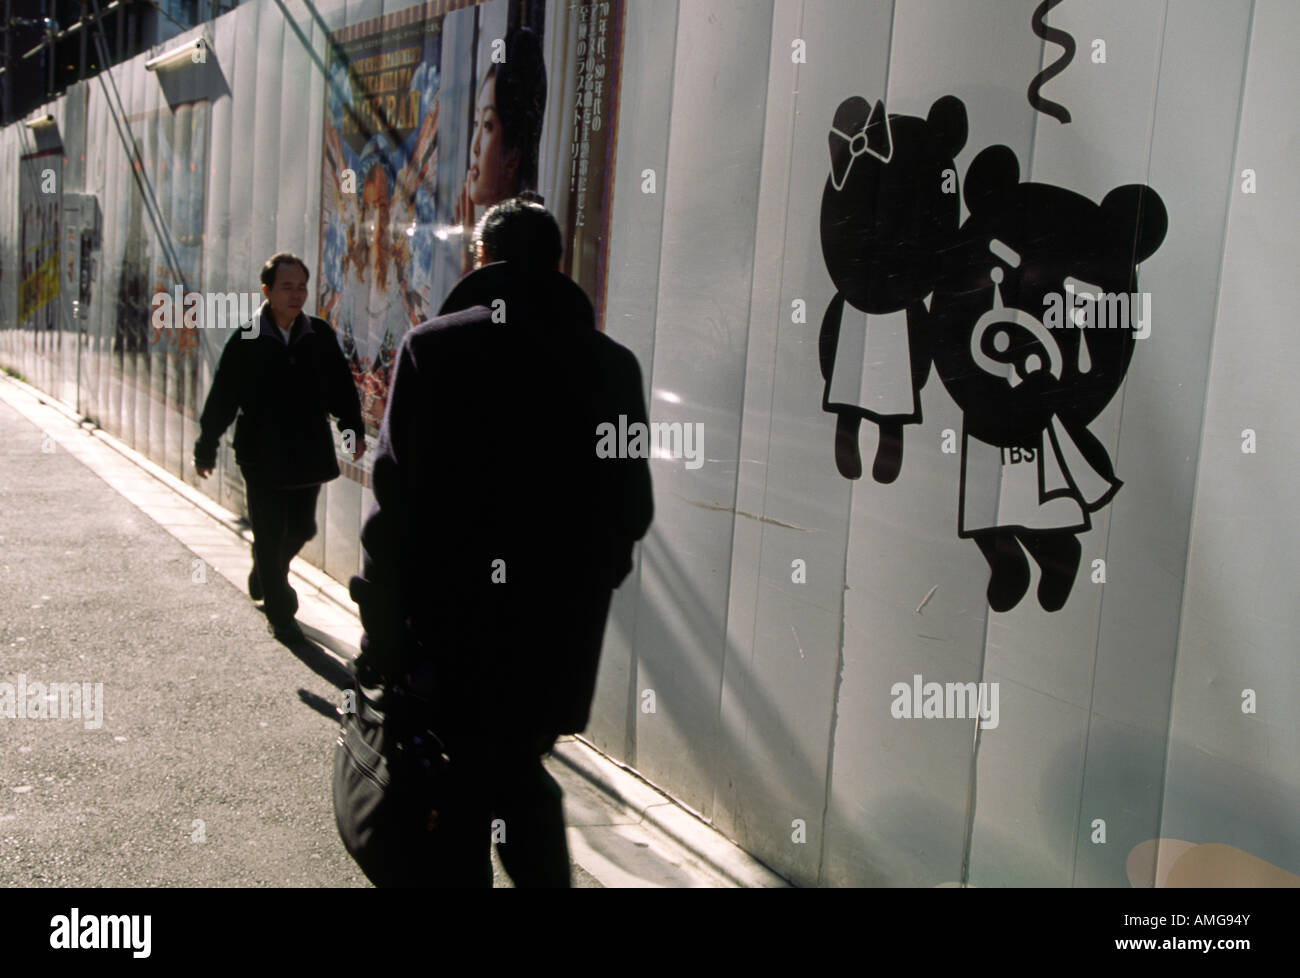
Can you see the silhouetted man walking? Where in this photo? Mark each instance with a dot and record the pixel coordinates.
(285, 374)
(497, 537)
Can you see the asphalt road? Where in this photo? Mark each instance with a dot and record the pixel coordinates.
(211, 766)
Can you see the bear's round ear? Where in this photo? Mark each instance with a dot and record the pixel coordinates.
(947, 120)
(992, 173)
(1137, 214)
(852, 115)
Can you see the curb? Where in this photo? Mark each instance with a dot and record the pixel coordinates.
(714, 850)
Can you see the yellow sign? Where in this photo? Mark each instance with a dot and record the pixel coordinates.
(39, 288)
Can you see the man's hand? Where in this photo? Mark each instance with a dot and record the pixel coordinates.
(361, 449)
(203, 473)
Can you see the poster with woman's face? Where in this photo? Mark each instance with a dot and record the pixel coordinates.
(434, 114)
(38, 292)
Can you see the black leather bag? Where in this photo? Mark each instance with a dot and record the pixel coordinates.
(391, 780)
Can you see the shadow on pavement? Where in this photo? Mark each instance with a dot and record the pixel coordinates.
(321, 662)
(321, 705)
(340, 648)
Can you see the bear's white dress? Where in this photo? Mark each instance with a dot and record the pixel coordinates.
(872, 370)
(1053, 490)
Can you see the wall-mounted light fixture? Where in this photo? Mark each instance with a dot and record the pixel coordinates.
(195, 51)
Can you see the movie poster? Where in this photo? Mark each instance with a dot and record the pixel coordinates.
(40, 204)
(160, 219)
(176, 168)
(434, 114)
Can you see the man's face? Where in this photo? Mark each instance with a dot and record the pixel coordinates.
(289, 293)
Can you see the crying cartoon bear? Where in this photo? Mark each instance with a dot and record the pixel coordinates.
(1028, 312)
(1029, 341)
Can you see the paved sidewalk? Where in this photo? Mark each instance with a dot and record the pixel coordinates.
(211, 764)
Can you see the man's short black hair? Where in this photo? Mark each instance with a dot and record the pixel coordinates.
(275, 261)
(521, 231)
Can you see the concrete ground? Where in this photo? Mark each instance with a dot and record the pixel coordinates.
(210, 765)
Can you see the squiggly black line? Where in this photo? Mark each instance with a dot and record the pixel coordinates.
(1054, 109)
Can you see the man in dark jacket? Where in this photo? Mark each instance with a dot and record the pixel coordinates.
(285, 374)
(497, 536)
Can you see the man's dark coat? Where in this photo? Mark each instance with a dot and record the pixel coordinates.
(284, 395)
(497, 535)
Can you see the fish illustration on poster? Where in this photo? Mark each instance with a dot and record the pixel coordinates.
(1027, 311)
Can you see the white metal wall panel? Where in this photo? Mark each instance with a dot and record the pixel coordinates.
(783, 636)
(1201, 60)
(646, 101)
(1234, 777)
(711, 191)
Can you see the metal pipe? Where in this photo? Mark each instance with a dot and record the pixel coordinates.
(8, 82)
(49, 48)
(81, 76)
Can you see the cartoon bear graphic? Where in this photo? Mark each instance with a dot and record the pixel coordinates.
(890, 210)
(1020, 338)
